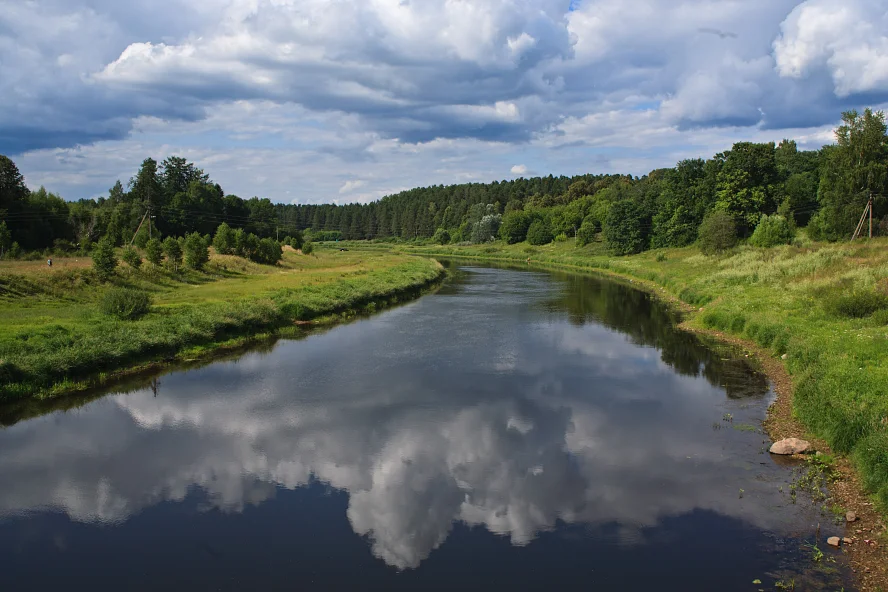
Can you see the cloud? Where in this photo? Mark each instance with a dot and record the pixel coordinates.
(519, 169)
(350, 186)
(845, 38)
(358, 83)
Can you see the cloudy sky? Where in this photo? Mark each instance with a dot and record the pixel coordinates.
(330, 100)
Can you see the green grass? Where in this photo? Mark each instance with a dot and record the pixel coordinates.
(54, 338)
(825, 306)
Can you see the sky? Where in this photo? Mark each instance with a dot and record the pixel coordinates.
(318, 101)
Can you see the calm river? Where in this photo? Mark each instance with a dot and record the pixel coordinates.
(516, 430)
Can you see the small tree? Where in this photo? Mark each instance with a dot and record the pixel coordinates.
(196, 251)
(104, 260)
(307, 248)
(514, 227)
(441, 236)
(717, 233)
(173, 252)
(539, 233)
(154, 251)
(772, 231)
(297, 240)
(132, 258)
(486, 229)
(224, 241)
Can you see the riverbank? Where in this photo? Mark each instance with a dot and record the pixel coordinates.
(814, 317)
(55, 341)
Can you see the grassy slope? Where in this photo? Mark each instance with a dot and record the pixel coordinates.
(53, 339)
(776, 298)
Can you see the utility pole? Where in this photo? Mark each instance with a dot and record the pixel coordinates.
(868, 210)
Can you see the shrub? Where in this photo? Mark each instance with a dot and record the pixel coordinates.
(154, 251)
(856, 304)
(131, 257)
(562, 237)
(125, 304)
(772, 231)
(539, 233)
(514, 226)
(224, 241)
(104, 260)
(717, 233)
(441, 236)
(173, 252)
(661, 257)
(196, 251)
(307, 248)
(269, 252)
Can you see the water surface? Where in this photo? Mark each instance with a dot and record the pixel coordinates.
(516, 430)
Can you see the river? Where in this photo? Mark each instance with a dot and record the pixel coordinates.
(515, 430)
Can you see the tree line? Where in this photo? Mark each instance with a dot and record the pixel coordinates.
(774, 186)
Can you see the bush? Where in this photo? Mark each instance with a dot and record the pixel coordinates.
(307, 248)
(856, 304)
(104, 260)
(441, 236)
(196, 251)
(772, 231)
(125, 304)
(154, 251)
(224, 241)
(539, 233)
(717, 233)
(131, 257)
(561, 238)
(173, 252)
(269, 252)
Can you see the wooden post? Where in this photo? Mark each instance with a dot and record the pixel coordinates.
(871, 214)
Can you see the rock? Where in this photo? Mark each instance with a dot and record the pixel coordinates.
(790, 446)
(847, 541)
(784, 356)
(834, 541)
(851, 517)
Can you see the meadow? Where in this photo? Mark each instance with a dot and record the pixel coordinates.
(55, 339)
(819, 308)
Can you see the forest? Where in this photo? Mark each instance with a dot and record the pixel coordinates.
(756, 191)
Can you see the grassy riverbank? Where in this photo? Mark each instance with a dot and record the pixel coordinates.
(823, 306)
(55, 340)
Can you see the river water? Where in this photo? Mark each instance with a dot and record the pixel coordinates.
(516, 430)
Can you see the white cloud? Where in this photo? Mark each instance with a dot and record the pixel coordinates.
(848, 38)
(519, 169)
(350, 186)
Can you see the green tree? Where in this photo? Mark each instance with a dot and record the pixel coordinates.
(104, 259)
(852, 170)
(154, 251)
(173, 251)
(224, 241)
(297, 240)
(539, 233)
(718, 233)
(485, 229)
(623, 228)
(269, 252)
(772, 231)
(196, 251)
(749, 183)
(307, 248)
(515, 225)
(131, 257)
